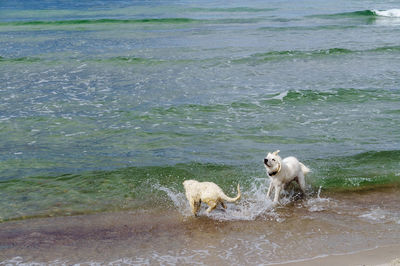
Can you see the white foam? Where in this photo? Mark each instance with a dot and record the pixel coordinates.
(123, 261)
(375, 215)
(280, 96)
(378, 215)
(393, 13)
(128, 261)
(75, 134)
(21, 262)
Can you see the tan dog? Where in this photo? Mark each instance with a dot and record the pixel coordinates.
(207, 192)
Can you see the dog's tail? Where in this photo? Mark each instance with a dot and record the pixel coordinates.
(229, 199)
(305, 169)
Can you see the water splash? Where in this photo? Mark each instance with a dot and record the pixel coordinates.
(318, 204)
(178, 198)
(253, 204)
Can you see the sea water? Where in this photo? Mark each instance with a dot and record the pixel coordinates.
(110, 106)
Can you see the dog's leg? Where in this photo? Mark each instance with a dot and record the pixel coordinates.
(194, 205)
(223, 204)
(277, 193)
(302, 183)
(211, 206)
(269, 189)
(191, 203)
(197, 205)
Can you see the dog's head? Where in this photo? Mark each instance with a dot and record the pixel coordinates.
(273, 161)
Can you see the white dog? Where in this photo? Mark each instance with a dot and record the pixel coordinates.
(282, 172)
(208, 192)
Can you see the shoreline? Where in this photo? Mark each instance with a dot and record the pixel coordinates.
(153, 235)
(378, 256)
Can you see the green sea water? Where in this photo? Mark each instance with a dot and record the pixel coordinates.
(107, 108)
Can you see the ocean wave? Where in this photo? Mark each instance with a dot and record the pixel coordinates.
(263, 101)
(256, 58)
(353, 14)
(91, 192)
(99, 21)
(299, 97)
(308, 28)
(364, 171)
(165, 21)
(24, 59)
(232, 9)
(290, 54)
(393, 13)
(130, 60)
(279, 100)
(105, 60)
(369, 13)
(311, 54)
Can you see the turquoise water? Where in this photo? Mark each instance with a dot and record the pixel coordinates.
(104, 104)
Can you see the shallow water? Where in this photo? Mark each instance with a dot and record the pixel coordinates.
(299, 230)
(110, 107)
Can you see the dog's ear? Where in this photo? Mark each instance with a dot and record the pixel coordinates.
(276, 152)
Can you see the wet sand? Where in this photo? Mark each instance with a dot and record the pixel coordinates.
(304, 232)
(381, 256)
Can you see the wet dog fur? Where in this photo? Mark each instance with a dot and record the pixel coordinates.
(282, 172)
(207, 192)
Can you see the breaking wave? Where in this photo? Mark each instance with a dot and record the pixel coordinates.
(362, 14)
(393, 13)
